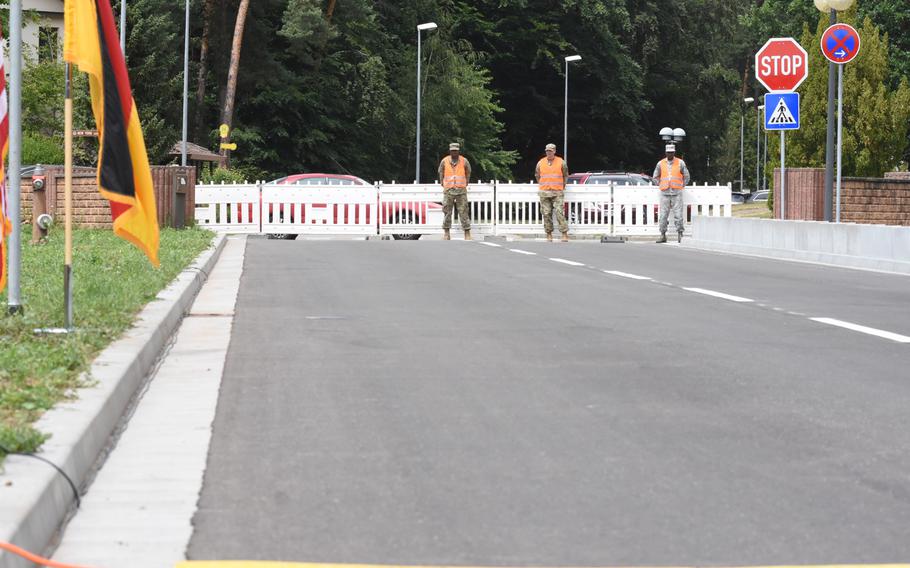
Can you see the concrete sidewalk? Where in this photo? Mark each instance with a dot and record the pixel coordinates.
(34, 498)
(137, 511)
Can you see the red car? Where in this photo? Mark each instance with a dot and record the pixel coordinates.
(411, 212)
(618, 178)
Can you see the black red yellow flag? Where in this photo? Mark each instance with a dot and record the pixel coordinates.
(124, 177)
(5, 227)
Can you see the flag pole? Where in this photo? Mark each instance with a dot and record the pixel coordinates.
(68, 199)
(14, 296)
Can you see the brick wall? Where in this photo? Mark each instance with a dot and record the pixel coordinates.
(863, 200)
(805, 194)
(93, 211)
(874, 200)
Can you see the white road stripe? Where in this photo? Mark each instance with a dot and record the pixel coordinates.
(720, 295)
(569, 262)
(863, 329)
(627, 275)
(489, 244)
(519, 251)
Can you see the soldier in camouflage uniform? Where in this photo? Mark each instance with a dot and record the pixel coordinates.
(551, 174)
(454, 175)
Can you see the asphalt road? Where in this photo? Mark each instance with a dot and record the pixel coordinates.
(456, 403)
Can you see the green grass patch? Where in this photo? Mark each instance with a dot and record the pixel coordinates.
(112, 281)
(752, 210)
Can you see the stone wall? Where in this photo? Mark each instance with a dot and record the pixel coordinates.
(874, 200)
(805, 198)
(863, 200)
(93, 211)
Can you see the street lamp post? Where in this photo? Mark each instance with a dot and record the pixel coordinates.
(422, 27)
(742, 140)
(830, 7)
(186, 70)
(565, 123)
(123, 27)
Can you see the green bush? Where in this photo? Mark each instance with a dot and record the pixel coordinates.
(40, 149)
(224, 175)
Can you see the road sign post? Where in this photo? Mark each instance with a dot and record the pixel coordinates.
(840, 44)
(782, 113)
(781, 65)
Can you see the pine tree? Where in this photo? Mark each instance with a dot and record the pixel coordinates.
(875, 119)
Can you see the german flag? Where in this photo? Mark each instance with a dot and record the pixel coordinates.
(124, 178)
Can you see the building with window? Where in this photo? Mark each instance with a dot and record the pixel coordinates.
(42, 34)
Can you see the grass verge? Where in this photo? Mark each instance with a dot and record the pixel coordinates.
(112, 281)
(752, 210)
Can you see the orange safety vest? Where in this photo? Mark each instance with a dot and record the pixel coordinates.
(671, 176)
(551, 175)
(454, 176)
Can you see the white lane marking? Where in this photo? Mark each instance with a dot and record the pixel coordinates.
(627, 275)
(489, 244)
(863, 329)
(569, 262)
(519, 251)
(720, 295)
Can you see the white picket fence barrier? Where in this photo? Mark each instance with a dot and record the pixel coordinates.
(319, 209)
(416, 209)
(232, 208)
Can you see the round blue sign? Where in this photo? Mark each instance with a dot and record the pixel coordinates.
(840, 43)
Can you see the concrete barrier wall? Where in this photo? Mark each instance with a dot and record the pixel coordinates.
(879, 247)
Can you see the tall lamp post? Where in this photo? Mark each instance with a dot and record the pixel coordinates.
(186, 70)
(429, 26)
(565, 122)
(742, 139)
(830, 7)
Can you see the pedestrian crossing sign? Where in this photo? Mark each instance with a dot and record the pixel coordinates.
(782, 111)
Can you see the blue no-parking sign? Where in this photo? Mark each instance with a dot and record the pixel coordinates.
(782, 111)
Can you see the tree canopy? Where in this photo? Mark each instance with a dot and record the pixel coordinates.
(330, 85)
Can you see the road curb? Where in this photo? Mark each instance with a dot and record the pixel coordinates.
(34, 498)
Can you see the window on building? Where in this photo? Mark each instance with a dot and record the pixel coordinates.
(48, 44)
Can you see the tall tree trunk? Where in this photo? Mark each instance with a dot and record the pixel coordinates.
(207, 12)
(230, 90)
(329, 11)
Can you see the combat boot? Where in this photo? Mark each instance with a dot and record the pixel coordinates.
(679, 236)
(467, 235)
(445, 235)
(549, 237)
(565, 237)
(663, 237)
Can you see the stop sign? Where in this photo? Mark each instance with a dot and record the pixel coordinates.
(781, 64)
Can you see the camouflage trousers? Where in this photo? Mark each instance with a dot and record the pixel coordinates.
(456, 198)
(671, 199)
(552, 202)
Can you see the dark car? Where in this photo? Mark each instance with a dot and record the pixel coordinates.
(760, 196)
(737, 197)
